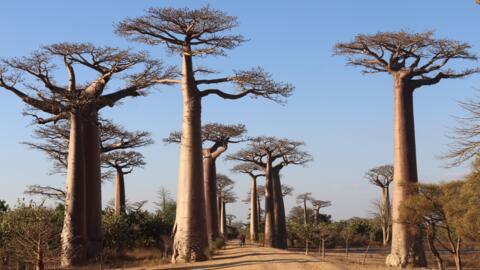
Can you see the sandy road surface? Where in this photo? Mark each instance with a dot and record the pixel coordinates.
(254, 258)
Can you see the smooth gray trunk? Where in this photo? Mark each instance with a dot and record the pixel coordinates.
(74, 227)
(405, 174)
(269, 212)
(279, 208)
(253, 211)
(120, 206)
(385, 208)
(93, 184)
(210, 188)
(190, 232)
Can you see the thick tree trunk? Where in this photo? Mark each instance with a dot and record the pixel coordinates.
(259, 209)
(93, 183)
(316, 216)
(210, 188)
(219, 213)
(385, 208)
(279, 208)
(224, 219)
(253, 211)
(269, 213)
(74, 227)
(120, 206)
(405, 174)
(190, 234)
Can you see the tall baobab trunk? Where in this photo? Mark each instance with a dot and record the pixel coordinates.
(279, 209)
(190, 232)
(210, 188)
(219, 213)
(259, 209)
(224, 219)
(74, 227)
(120, 206)
(269, 213)
(93, 183)
(405, 174)
(253, 211)
(316, 215)
(385, 208)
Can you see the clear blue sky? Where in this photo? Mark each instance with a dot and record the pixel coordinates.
(344, 117)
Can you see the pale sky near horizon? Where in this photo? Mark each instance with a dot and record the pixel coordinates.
(344, 117)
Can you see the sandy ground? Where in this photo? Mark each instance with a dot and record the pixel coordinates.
(259, 258)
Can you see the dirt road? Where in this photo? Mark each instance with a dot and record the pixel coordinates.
(256, 258)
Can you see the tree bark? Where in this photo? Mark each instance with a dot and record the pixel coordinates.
(74, 227)
(433, 249)
(120, 206)
(279, 208)
(385, 208)
(259, 209)
(323, 248)
(269, 213)
(405, 174)
(224, 219)
(190, 235)
(93, 183)
(39, 265)
(253, 211)
(210, 188)
(458, 259)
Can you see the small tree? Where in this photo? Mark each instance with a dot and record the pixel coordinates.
(31, 233)
(381, 177)
(429, 210)
(413, 60)
(316, 206)
(303, 199)
(224, 195)
(123, 162)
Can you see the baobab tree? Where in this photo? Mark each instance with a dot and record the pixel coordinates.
(113, 140)
(30, 78)
(196, 33)
(303, 199)
(224, 195)
(261, 194)
(381, 177)
(113, 137)
(123, 162)
(413, 60)
(272, 155)
(219, 136)
(254, 171)
(316, 206)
